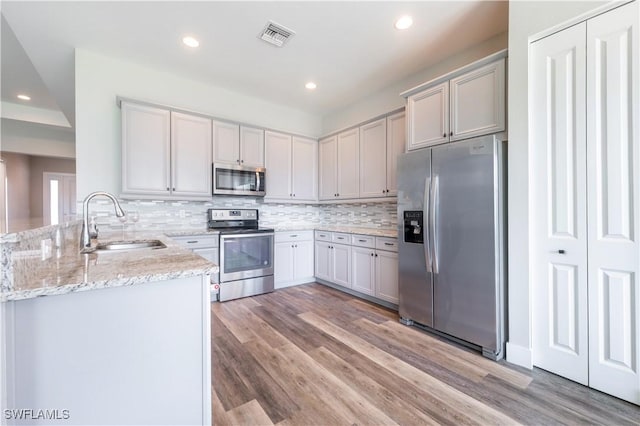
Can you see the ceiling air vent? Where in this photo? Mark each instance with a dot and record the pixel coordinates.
(276, 34)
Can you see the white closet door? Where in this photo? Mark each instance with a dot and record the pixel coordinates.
(614, 193)
(559, 268)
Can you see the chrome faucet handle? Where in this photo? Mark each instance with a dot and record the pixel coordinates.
(93, 228)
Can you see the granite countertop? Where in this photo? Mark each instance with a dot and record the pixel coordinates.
(67, 270)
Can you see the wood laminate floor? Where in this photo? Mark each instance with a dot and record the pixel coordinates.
(312, 355)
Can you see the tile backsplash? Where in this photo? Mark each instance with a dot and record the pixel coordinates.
(192, 214)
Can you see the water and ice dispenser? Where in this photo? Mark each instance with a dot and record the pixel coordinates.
(413, 227)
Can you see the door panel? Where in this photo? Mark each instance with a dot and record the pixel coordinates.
(348, 164)
(559, 274)
(564, 291)
(613, 162)
(304, 169)
(226, 142)
(146, 139)
(341, 265)
(387, 276)
(278, 164)
(428, 117)
(415, 283)
(323, 261)
(373, 159)
(283, 263)
(251, 147)
(464, 240)
(190, 155)
(396, 143)
(362, 274)
(303, 260)
(328, 166)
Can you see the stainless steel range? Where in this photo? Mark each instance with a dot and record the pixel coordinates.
(246, 253)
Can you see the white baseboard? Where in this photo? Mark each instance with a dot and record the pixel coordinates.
(519, 355)
(306, 280)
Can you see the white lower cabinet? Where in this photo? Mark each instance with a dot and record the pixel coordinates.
(341, 264)
(323, 260)
(293, 258)
(363, 270)
(387, 276)
(375, 272)
(366, 264)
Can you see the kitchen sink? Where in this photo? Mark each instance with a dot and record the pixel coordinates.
(120, 246)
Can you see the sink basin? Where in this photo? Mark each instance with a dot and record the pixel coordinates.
(115, 246)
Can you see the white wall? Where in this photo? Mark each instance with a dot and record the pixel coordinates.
(99, 79)
(526, 18)
(389, 98)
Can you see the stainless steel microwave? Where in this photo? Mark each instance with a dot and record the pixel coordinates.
(238, 180)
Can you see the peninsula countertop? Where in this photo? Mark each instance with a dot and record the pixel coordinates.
(67, 270)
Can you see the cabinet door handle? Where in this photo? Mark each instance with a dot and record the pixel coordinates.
(174, 189)
(192, 242)
(167, 188)
(389, 244)
(451, 134)
(242, 161)
(376, 254)
(362, 241)
(293, 235)
(371, 254)
(444, 135)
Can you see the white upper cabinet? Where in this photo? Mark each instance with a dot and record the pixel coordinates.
(251, 147)
(304, 169)
(226, 142)
(373, 159)
(429, 117)
(292, 167)
(165, 153)
(278, 165)
(328, 168)
(361, 162)
(239, 145)
(467, 105)
(477, 102)
(190, 155)
(348, 153)
(396, 142)
(146, 142)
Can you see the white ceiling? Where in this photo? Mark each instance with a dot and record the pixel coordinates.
(350, 49)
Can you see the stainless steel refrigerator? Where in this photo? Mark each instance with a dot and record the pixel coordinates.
(451, 237)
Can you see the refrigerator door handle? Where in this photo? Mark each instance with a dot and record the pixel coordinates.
(434, 222)
(426, 238)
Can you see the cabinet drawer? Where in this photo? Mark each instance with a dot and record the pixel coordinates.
(340, 237)
(197, 241)
(363, 241)
(389, 244)
(323, 236)
(283, 237)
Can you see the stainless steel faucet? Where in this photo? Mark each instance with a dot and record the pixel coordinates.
(85, 238)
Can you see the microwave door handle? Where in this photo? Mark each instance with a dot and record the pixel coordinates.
(258, 181)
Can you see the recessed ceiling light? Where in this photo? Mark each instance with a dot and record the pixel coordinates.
(404, 22)
(310, 85)
(24, 97)
(190, 41)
